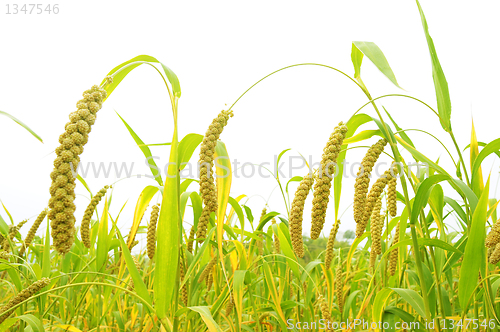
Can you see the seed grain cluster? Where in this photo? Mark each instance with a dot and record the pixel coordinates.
(62, 190)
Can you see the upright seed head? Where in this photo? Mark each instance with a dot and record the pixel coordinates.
(22, 296)
(89, 212)
(330, 244)
(339, 287)
(296, 214)
(392, 197)
(363, 178)
(184, 290)
(260, 242)
(325, 310)
(62, 190)
(393, 258)
(373, 259)
(190, 241)
(151, 247)
(373, 196)
(277, 248)
(324, 180)
(31, 234)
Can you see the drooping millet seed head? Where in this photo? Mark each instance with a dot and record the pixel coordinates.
(377, 221)
(330, 244)
(207, 269)
(22, 296)
(206, 162)
(297, 212)
(230, 304)
(392, 197)
(363, 178)
(495, 255)
(138, 267)
(151, 245)
(62, 190)
(4, 255)
(493, 237)
(87, 216)
(393, 258)
(201, 231)
(373, 196)
(31, 234)
(324, 179)
(13, 230)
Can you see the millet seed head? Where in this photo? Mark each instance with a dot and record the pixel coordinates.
(23, 296)
(62, 193)
(495, 255)
(494, 235)
(330, 244)
(151, 243)
(393, 258)
(31, 234)
(373, 196)
(297, 212)
(392, 197)
(363, 178)
(321, 194)
(87, 216)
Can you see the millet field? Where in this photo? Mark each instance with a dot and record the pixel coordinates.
(209, 262)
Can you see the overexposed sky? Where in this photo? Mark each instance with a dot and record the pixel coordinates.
(218, 49)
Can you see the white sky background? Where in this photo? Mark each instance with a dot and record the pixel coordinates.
(218, 49)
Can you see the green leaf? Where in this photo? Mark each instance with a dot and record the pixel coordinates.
(19, 122)
(169, 229)
(146, 151)
(379, 304)
(238, 285)
(122, 70)
(375, 54)
(413, 298)
(423, 193)
(139, 286)
(490, 148)
(474, 251)
(440, 83)
(103, 238)
(207, 318)
(33, 321)
(287, 248)
(186, 148)
(357, 59)
(423, 241)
